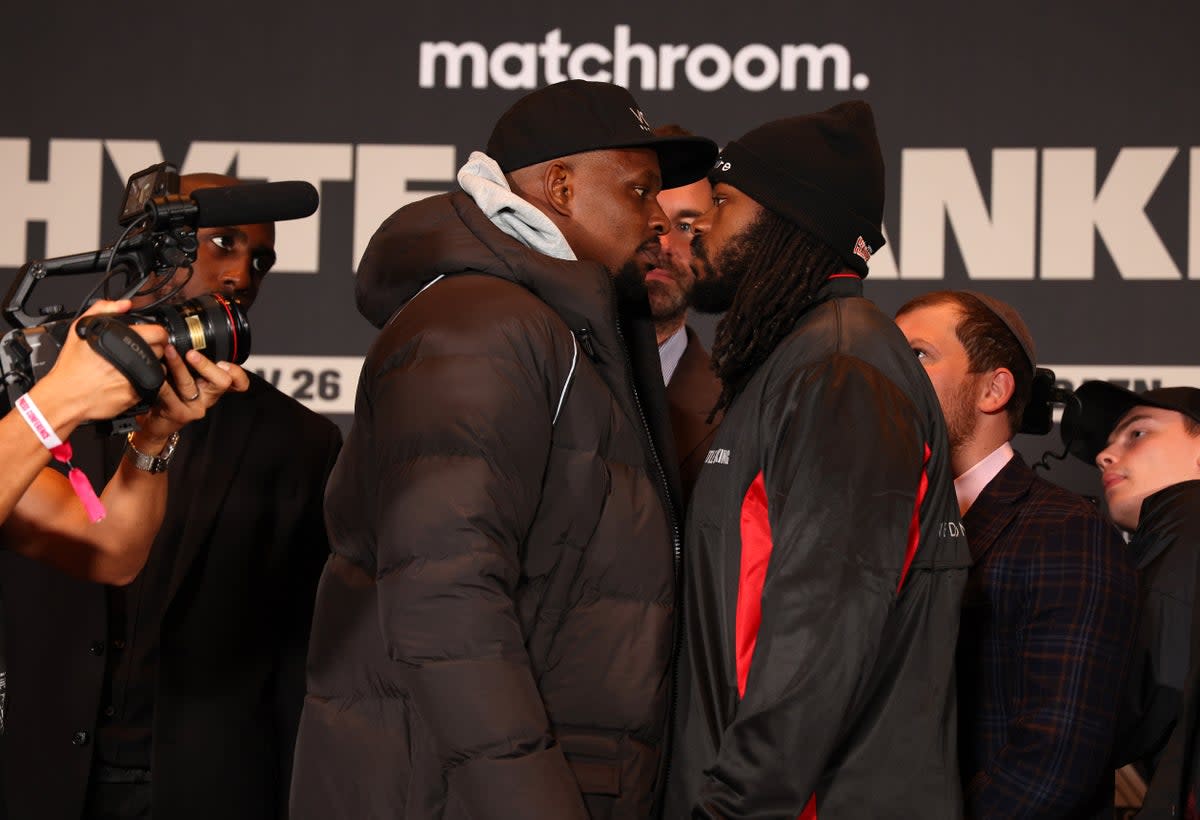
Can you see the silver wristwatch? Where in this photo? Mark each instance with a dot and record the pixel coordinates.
(149, 463)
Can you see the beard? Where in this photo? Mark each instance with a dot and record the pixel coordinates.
(718, 280)
(630, 279)
(630, 282)
(667, 303)
(669, 300)
(960, 414)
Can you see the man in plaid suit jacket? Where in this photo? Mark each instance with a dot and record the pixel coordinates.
(1049, 611)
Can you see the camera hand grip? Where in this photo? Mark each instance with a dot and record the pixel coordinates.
(125, 350)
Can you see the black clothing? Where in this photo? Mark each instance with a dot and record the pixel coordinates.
(243, 543)
(135, 613)
(1166, 549)
(493, 633)
(825, 566)
(119, 801)
(1161, 716)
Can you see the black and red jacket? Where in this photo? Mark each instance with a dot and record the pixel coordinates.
(824, 568)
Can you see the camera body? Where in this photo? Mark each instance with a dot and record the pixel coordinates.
(156, 181)
(153, 245)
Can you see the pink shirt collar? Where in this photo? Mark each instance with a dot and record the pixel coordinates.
(970, 484)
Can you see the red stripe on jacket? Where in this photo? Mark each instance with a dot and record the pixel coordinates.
(752, 575)
(914, 526)
(756, 553)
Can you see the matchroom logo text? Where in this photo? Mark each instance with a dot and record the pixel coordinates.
(705, 67)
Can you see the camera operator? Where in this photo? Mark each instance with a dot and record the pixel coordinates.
(178, 696)
(40, 517)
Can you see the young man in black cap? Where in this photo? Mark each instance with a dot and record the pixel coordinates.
(1051, 601)
(1147, 446)
(494, 630)
(825, 560)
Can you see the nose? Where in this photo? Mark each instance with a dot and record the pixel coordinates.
(701, 224)
(658, 219)
(1106, 458)
(674, 242)
(236, 277)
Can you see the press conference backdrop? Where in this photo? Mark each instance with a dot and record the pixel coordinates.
(1044, 153)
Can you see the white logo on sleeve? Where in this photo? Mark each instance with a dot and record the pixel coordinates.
(717, 457)
(951, 529)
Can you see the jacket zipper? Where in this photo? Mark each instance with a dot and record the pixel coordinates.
(678, 633)
(584, 336)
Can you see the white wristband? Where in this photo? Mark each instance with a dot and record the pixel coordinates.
(37, 422)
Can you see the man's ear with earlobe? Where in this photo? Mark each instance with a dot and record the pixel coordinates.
(998, 390)
(558, 183)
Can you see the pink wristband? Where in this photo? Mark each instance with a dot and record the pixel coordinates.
(61, 451)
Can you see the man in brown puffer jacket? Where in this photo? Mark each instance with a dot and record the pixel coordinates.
(493, 633)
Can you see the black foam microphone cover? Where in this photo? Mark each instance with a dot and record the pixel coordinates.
(254, 202)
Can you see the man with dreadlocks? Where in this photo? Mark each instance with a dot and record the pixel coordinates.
(825, 555)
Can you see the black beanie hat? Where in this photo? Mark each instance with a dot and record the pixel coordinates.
(823, 172)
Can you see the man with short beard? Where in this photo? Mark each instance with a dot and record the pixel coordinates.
(692, 387)
(825, 561)
(1051, 601)
(494, 629)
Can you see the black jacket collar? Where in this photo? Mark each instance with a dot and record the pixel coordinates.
(1169, 515)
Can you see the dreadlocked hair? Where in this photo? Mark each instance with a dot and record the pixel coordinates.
(782, 267)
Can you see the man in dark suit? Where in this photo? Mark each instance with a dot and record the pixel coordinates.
(692, 387)
(179, 695)
(1050, 606)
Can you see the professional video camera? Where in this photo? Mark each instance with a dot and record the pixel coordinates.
(1038, 419)
(159, 238)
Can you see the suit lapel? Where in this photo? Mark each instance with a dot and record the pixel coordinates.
(997, 505)
(691, 396)
(214, 448)
(693, 385)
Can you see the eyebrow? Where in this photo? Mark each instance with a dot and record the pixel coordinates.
(644, 175)
(688, 213)
(227, 229)
(1126, 422)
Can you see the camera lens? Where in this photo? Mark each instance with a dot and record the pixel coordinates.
(213, 324)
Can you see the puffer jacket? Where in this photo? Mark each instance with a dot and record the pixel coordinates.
(494, 628)
(824, 568)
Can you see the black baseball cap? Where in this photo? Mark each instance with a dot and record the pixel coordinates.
(1102, 405)
(576, 116)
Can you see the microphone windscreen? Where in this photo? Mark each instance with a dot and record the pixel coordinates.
(254, 202)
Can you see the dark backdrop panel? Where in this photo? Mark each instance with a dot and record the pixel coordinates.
(1040, 152)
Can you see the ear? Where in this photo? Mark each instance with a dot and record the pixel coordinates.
(558, 187)
(997, 391)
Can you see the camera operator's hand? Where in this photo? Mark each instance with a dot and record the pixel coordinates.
(82, 385)
(49, 524)
(185, 397)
